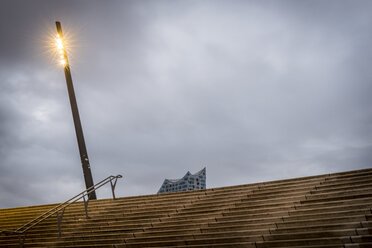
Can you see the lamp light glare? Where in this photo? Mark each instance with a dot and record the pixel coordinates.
(59, 42)
(60, 49)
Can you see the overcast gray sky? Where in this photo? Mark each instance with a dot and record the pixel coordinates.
(253, 90)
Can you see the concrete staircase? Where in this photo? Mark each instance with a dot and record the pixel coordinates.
(328, 211)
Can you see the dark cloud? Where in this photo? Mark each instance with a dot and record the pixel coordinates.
(253, 90)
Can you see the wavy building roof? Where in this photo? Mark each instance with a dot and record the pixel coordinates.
(187, 182)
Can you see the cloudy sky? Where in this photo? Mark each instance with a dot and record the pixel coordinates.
(253, 90)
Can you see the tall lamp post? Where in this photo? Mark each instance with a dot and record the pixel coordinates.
(75, 113)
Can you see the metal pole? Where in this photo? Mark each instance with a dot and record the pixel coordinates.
(75, 114)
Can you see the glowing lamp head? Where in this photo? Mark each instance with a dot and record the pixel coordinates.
(59, 43)
(61, 50)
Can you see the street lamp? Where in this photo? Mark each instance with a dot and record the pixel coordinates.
(62, 53)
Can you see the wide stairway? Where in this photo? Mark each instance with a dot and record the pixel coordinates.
(326, 211)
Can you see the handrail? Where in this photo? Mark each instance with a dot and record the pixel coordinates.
(61, 208)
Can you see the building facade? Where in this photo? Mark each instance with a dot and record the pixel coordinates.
(187, 182)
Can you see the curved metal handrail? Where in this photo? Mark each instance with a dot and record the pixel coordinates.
(61, 208)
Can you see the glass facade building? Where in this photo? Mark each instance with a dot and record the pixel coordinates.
(187, 182)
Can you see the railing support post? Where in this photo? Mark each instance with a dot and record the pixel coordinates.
(113, 185)
(59, 219)
(21, 238)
